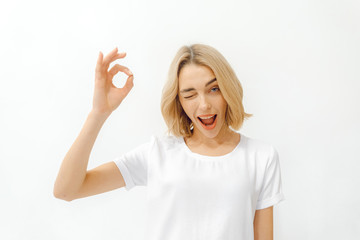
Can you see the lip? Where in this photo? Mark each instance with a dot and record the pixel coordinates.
(208, 127)
(206, 115)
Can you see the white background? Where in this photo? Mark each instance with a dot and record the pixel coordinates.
(298, 63)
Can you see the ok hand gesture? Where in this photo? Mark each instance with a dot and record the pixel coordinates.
(108, 97)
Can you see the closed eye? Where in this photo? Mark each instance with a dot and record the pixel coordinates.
(214, 89)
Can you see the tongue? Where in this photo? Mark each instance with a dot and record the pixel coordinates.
(208, 121)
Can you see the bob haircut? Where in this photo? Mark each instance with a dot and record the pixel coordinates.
(179, 124)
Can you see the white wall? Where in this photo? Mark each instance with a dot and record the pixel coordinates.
(298, 62)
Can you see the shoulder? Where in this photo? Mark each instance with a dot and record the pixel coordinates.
(260, 149)
(166, 142)
(258, 145)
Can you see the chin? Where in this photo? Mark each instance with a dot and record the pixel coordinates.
(209, 133)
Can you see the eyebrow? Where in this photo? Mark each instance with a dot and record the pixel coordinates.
(192, 89)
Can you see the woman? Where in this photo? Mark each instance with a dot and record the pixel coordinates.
(204, 180)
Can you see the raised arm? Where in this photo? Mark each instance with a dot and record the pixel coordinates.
(73, 180)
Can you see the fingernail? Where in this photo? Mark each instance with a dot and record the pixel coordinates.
(131, 72)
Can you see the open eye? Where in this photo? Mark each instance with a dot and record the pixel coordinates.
(215, 88)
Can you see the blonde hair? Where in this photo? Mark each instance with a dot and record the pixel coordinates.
(179, 124)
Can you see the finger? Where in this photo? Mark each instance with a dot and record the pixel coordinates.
(128, 85)
(117, 67)
(99, 62)
(108, 58)
(117, 56)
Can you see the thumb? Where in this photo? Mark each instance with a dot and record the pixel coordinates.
(129, 84)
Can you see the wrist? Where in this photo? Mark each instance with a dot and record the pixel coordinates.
(99, 115)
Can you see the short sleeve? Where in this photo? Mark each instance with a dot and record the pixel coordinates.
(133, 165)
(271, 191)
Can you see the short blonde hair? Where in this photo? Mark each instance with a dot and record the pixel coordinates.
(179, 124)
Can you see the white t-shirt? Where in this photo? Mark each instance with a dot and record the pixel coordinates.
(192, 196)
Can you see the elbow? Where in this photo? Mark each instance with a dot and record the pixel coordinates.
(62, 196)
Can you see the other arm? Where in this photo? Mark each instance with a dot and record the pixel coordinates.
(263, 224)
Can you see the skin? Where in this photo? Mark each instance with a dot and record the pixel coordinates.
(263, 224)
(203, 100)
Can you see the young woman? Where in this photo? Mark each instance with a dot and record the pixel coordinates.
(204, 179)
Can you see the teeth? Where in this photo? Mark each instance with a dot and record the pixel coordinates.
(206, 117)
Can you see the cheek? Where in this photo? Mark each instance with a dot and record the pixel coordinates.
(224, 107)
(221, 103)
(187, 109)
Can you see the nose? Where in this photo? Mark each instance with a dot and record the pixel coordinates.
(204, 103)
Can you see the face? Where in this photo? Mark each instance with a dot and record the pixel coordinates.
(200, 97)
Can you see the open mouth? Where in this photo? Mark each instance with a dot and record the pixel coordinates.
(208, 123)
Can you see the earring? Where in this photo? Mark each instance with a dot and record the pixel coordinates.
(191, 126)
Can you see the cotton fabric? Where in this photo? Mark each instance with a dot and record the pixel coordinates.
(193, 196)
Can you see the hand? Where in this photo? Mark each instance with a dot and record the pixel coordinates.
(108, 97)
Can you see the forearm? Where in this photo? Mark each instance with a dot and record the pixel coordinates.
(74, 166)
(263, 224)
